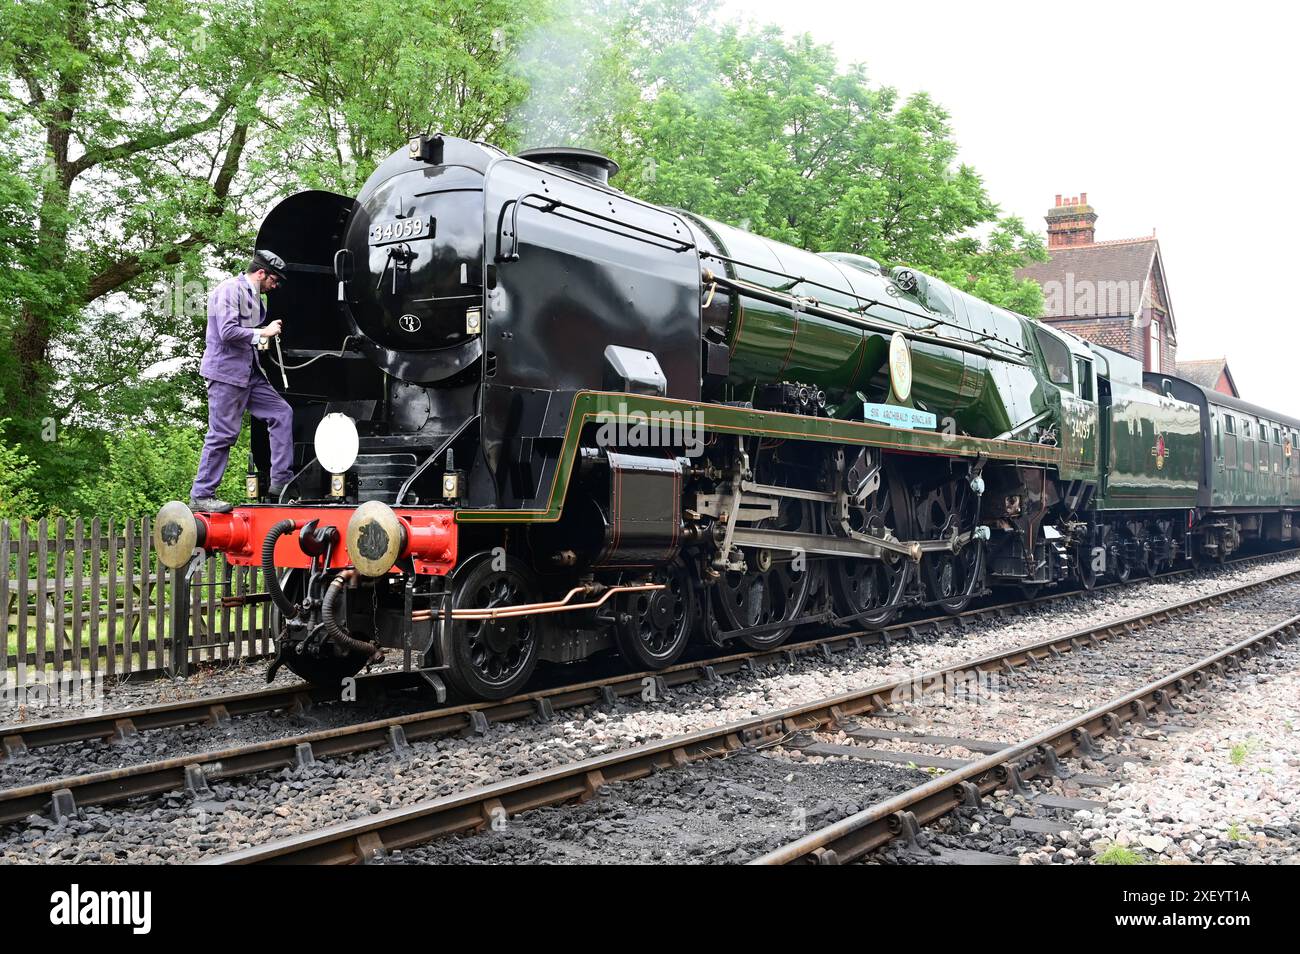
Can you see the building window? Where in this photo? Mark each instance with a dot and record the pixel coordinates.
(1153, 345)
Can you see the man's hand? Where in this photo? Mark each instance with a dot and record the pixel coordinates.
(271, 330)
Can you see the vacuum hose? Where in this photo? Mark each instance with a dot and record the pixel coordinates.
(335, 628)
(268, 568)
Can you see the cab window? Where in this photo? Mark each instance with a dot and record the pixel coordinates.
(1056, 356)
(1083, 378)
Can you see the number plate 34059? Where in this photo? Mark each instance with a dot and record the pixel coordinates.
(399, 230)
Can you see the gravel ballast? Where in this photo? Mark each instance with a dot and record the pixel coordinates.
(252, 810)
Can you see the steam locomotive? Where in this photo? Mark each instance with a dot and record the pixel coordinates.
(538, 419)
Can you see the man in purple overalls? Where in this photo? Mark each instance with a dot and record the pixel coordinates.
(236, 382)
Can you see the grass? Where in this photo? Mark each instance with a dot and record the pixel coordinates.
(1238, 754)
(1120, 855)
(252, 617)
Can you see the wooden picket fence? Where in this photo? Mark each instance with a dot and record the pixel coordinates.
(95, 598)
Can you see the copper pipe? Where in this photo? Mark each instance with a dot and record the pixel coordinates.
(538, 609)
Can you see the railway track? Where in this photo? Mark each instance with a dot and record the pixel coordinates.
(18, 738)
(192, 772)
(903, 815)
(372, 838)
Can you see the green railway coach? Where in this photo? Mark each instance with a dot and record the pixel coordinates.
(1249, 483)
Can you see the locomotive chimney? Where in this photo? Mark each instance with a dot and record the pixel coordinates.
(585, 162)
(1071, 221)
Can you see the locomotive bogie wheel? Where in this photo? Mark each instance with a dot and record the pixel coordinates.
(1122, 568)
(493, 658)
(1149, 565)
(655, 627)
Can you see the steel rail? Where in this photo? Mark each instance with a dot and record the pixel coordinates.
(120, 724)
(166, 775)
(193, 770)
(867, 830)
(371, 838)
(18, 737)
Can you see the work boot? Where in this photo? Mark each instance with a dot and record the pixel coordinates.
(210, 505)
(274, 492)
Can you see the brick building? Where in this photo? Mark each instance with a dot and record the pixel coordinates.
(1111, 292)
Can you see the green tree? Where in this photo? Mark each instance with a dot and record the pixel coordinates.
(143, 140)
(354, 80)
(770, 133)
(143, 469)
(18, 478)
(128, 122)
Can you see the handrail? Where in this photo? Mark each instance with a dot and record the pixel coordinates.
(880, 325)
(437, 452)
(793, 280)
(552, 204)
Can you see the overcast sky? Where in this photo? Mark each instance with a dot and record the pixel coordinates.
(1177, 117)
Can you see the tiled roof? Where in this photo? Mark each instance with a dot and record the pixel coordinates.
(1122, 260)
(1206, 372)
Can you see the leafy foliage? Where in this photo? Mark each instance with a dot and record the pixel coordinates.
(144, 140)
(147, 138)
(18, 477)
(144, 469)
(775, 137)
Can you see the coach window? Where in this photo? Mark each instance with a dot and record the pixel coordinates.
(1247, 447)
(1230, 448)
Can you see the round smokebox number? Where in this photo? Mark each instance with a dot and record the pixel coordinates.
(410, 323)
